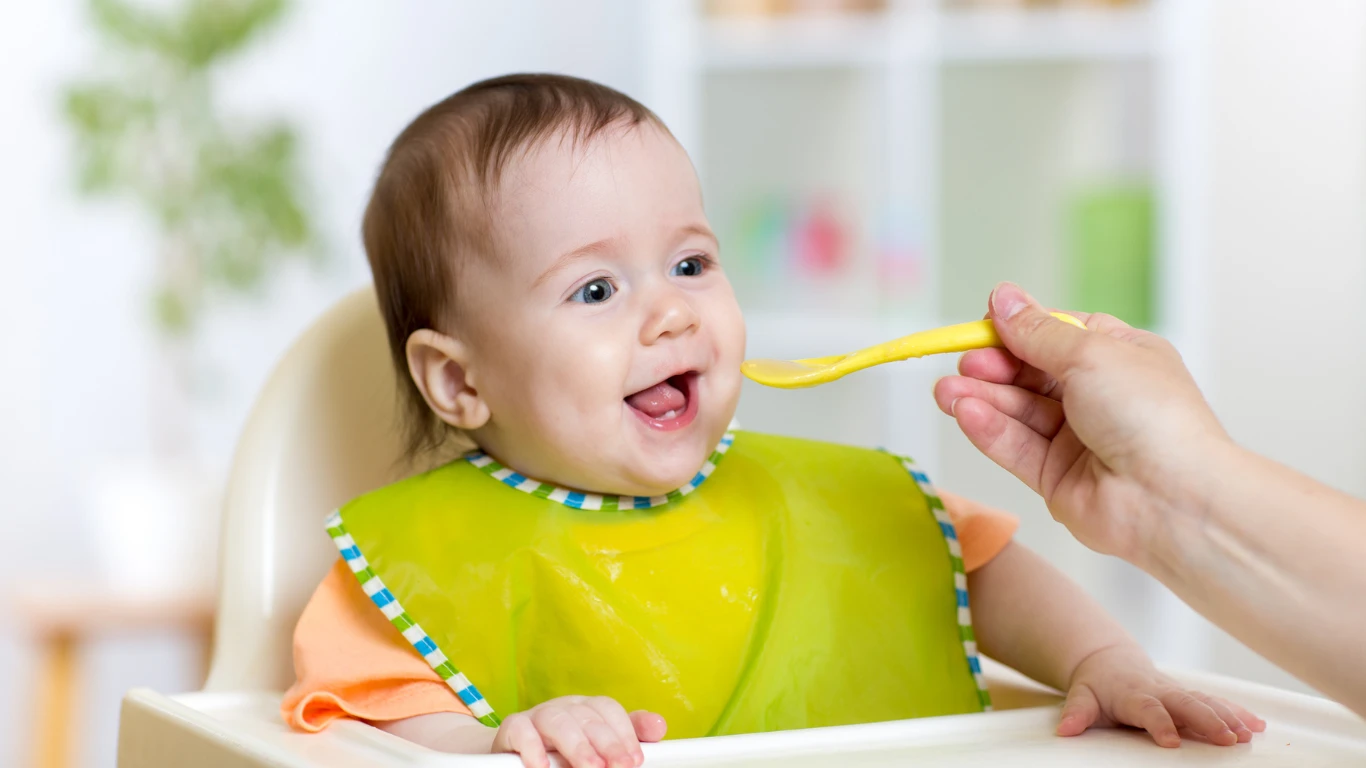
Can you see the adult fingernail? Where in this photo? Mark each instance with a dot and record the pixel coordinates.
(953, 406)
(1007, 300)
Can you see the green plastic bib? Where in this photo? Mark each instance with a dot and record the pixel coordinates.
(792, 584)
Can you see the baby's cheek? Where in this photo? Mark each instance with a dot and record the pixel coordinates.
(600, 370)
(728, 327)
(591, 353)
(581, 391)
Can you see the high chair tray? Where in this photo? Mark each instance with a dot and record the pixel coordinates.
(244, 729)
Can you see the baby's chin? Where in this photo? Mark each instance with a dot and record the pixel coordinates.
(626, 465)
(639, 480)
(655, 470)
(643, 474)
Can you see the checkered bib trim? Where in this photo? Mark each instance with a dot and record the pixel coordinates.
(379, 594)
(383, 599)
(595, 501)
(960, 577)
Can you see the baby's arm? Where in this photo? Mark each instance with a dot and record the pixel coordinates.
(444, 732)
(588, 731)
(1031, 617)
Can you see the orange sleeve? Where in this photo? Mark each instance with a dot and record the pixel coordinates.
(982, 531)
(349, 661)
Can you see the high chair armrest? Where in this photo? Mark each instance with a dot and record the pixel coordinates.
(244, 728)
(215, 730)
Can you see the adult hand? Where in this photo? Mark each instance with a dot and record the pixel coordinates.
(1106, 424)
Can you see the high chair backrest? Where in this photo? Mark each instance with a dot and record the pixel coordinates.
(323, 431)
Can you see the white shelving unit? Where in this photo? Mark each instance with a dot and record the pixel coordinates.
(1094, 35)
(794, 43)
(958, 36)
(881, 90)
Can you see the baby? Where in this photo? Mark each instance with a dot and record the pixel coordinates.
(611, 561)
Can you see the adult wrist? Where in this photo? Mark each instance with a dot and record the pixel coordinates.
(1186, 496)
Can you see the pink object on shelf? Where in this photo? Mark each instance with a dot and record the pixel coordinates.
(820, 241)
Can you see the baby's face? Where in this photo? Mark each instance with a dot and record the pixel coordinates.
(604, 337)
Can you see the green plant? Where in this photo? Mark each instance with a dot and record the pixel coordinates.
(226, 196)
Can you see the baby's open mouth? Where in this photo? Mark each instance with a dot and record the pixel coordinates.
(670, 404)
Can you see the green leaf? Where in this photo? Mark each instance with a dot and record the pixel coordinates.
(172, 312)
(134, 27)
(203, 32)
(258, 177)
(99, 171)
(105, 109)
(108, 120)
(239, 263)
(209, 30)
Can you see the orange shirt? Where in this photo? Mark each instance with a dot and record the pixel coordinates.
(351, 662)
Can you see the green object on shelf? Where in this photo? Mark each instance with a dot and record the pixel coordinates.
(763, 234)
(1110, 253)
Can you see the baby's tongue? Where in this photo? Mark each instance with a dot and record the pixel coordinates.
(657, 400)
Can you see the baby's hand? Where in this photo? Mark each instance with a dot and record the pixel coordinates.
(587, 731)
(1120, 686)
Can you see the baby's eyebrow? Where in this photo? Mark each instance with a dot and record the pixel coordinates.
(566, 259)
(697, 229)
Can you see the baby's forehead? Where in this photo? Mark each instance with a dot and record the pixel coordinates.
(610, 159)
(562, 194)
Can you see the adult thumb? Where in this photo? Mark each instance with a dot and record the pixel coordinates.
(1032, 334)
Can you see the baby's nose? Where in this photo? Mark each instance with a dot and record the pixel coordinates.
(671, 315)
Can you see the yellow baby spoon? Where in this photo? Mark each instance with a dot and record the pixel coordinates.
(814, 371)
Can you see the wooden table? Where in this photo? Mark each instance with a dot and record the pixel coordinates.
(64, 617)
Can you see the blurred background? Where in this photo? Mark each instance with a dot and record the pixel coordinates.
(183, 182)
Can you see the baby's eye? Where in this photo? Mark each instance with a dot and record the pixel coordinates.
(594, 292)
(689, 267)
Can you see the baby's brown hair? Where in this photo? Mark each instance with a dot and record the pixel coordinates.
(430, 206)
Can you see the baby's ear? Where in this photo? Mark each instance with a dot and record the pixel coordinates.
(438, 365)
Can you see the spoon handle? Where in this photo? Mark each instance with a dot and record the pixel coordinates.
(979, 334)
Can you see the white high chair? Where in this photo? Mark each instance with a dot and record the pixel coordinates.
(323, 431)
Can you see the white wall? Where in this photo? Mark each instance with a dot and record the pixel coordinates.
(1287, 242)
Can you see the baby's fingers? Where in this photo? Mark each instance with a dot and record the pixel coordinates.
(1080, 711)
(517, 734)
(1199, 717)
(609, 745)
(1146, 712)
(649, 726)
(1254, 723)
(614, 715)
(1250, 720)
(1226, 713)
(562, 732)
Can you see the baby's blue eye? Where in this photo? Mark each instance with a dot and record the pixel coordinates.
(689, 267)
(594, 292)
